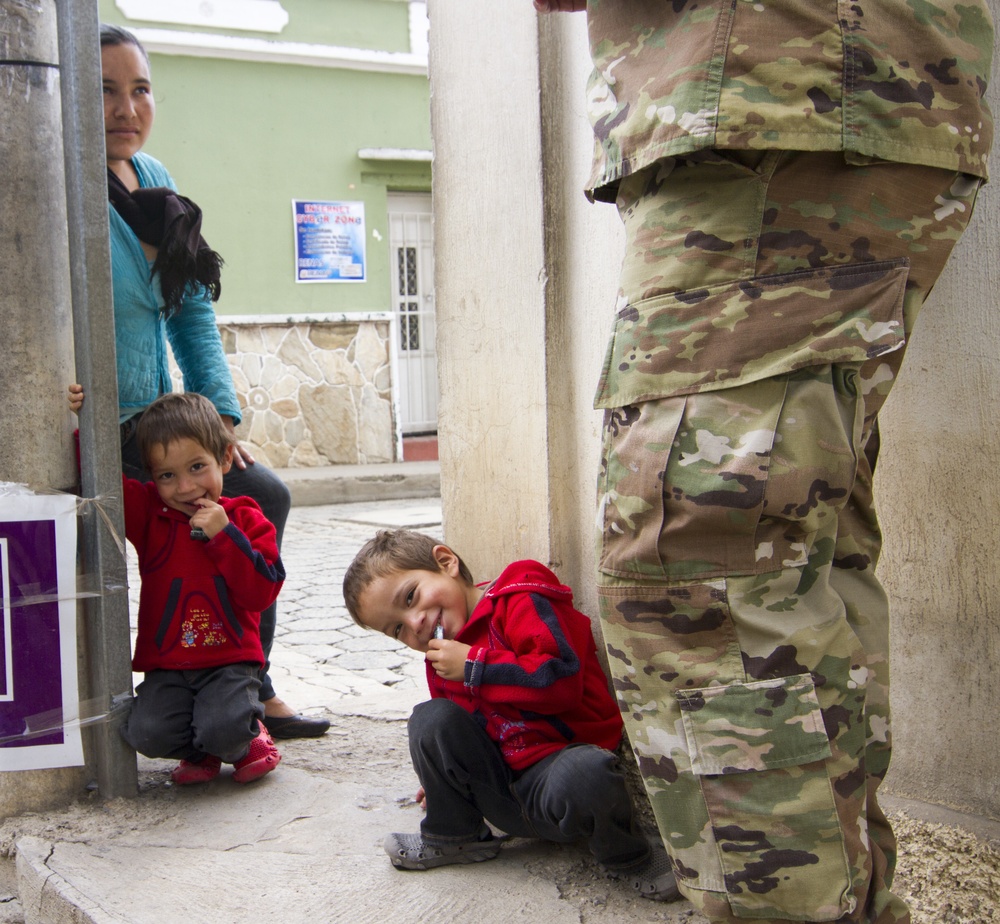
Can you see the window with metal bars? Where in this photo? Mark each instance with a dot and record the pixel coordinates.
(409, 317)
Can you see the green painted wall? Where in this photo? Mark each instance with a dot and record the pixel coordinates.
(382, 24)
(244, 138)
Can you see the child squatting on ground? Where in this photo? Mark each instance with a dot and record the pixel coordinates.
(208, 566)
(520, 730)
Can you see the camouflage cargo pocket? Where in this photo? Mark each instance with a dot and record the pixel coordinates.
(727, 483)
(759, 751)
(734, 457)
(630, 519)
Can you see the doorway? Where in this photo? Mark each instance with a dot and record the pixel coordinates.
(411, 254)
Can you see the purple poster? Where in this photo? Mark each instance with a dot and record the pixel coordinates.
(39, 699)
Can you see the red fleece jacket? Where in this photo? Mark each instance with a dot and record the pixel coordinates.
(200, 602)
(532, 677)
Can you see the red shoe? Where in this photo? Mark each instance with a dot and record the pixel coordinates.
(188, 771)
(262, 758)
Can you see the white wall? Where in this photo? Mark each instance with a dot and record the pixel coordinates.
(938, 491)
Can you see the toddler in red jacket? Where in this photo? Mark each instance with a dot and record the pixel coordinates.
(208, 565)
(521, 728)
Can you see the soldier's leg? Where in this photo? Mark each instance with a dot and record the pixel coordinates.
(744, 694)
(859, 537)
(741, 613)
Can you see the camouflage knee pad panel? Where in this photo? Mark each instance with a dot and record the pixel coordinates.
(738, 481)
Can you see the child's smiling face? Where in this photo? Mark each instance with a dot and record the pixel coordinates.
(184, 471)
(410, 605)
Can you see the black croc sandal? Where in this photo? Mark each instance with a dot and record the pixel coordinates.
(411, 851)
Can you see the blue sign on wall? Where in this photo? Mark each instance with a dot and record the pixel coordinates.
(329, 241)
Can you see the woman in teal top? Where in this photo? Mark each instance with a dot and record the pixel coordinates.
(140, 321)
(165, 278)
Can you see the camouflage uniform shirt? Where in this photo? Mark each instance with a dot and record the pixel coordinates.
(896, 80)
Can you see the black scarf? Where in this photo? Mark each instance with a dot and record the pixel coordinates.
(172, 223)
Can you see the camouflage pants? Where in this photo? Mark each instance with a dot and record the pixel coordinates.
(766, 300)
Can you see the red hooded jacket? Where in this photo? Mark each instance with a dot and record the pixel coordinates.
(532, 677)
(200, 602)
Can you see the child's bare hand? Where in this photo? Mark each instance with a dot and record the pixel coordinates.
(448, 657)
(421, 798)
(75, 397)
(210, 518)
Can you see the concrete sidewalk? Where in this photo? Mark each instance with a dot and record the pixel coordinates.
(304, 843)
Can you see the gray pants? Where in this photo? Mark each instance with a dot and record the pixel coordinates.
(185, 715)
(576, 793)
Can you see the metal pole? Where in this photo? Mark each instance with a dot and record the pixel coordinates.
(106, 615)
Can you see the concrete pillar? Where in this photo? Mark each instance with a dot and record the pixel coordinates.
(522, 286)
(490, 281)
(526, 282)
(34, 296)
(585, 243)
(35, 431)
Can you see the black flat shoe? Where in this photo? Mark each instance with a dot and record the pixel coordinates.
(295, 726)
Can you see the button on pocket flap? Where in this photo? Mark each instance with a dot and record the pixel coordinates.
(752, 329)
(753, 726)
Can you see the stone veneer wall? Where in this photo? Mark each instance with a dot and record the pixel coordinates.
(315, 390)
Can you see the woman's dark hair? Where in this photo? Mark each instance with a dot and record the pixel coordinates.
(116, 35)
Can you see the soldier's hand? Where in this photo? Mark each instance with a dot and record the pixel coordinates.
(560, 6)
